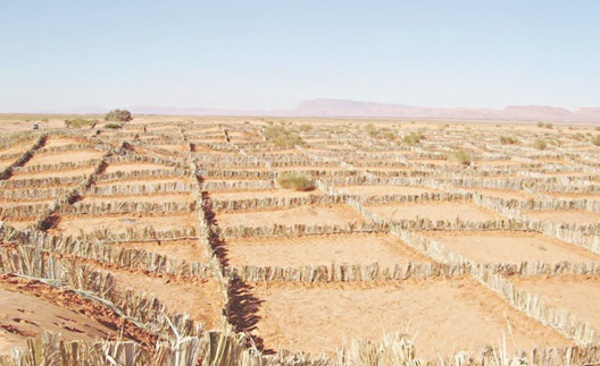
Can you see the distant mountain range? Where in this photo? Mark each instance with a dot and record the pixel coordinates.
(356, 109)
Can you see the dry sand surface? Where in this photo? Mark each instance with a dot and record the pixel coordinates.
(322, 249)
(70, 157)
(145, 182)
(580, 217)
(435, 211)
(59, 141)
(201, 299)
(24, 315)
(19, 149)
(372, 191)
(147, 198)
(511, 247)
(263, 193)
(578, 295)
(120, 223)
(445, 316)
(53, 174)
(126, 168)
(506, 194)
(303, 215)
(188, 250)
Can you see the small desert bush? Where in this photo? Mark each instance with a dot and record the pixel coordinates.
(296, 181)
(282, 137)
(113, 126)
(596, 140)
(540, 144)
(79, 123)
(413, 138)
(508, 140)
(463, 157)
(288, 140)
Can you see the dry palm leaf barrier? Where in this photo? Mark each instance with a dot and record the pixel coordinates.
(107, 254)
(134, 189)
(119, 176)
(266, 203)
(32, 194)
(145, 233)
(125, 207)
(231, 185)
(145, 312)
(46, 219)
(536, 307)
(347, 273)
(299, 230)
(561, 320)
(24, 158)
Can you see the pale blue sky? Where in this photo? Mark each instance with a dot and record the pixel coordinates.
(274, 53)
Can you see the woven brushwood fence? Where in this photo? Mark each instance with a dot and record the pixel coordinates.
(347, 273)
(24, 158)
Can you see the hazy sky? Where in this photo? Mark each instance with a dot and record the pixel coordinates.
(274, 53)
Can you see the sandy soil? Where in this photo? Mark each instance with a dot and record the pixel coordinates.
(20, 224)
(126, 168)
(317, 250)
(19, 149)
(155, 198)
(371, 191)
(572, 196)
(175, 148)
(435, 211)
(59, 141)
(495, 163)
(202, 298)
(263, 193)
(144, 182)
(581, 217)
(24, 315)
(120, 223)
(4, 164)
(578, 295)
(303, 215)
(511, 247)
(71, 156)
(189, 250)
(53, 174)
(308, 168)
(507, 194)
(445, 316)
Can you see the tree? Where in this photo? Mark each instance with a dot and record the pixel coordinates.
(120, 115)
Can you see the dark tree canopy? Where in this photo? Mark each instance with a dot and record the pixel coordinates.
(121, 115)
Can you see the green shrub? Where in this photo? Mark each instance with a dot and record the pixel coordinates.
(540, 144)
(596, 140)
(296, 181)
